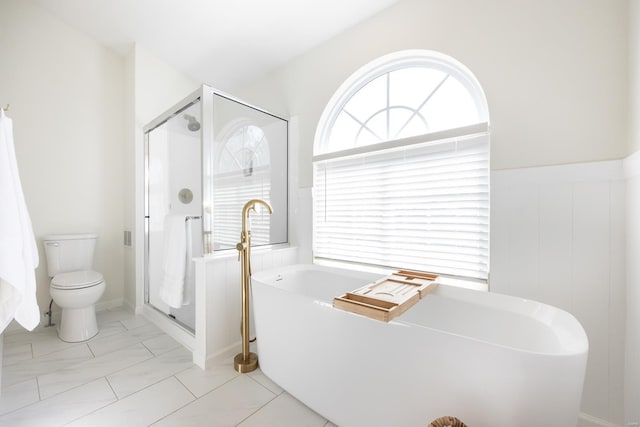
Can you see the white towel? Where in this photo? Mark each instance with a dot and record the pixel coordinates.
(174, 260)
(187, 295)
(18, 251)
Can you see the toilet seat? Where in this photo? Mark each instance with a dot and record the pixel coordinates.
(77, 280)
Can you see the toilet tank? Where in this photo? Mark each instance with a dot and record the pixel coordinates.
(69, 252)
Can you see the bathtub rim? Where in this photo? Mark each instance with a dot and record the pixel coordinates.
(579, 347)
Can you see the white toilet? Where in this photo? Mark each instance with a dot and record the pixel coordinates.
(75, 288)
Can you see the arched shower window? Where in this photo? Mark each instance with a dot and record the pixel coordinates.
(401, 168)
(247, 148)
(243, 173)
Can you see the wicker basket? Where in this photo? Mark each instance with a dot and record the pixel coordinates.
(447, 422)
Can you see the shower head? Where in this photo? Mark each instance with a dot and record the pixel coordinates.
(193, 125)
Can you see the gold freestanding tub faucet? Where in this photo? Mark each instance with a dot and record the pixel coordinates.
(246, 361)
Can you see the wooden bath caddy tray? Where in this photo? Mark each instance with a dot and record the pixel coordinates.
(388, 297)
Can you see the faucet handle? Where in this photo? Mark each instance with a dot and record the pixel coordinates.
(240, 246)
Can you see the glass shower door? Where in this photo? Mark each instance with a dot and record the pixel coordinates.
(174, 202)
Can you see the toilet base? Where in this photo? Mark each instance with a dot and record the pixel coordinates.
(78, 324)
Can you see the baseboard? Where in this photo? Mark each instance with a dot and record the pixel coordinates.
(225, 353)
(586, 420)
(139, 310)
(130, 307)
(109, 304)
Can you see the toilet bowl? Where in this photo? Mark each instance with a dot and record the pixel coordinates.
(75, 287)
(76, 294)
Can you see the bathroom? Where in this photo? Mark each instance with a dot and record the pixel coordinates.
(561, 82)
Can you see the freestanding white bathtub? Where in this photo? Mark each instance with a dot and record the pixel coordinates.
(488, 359)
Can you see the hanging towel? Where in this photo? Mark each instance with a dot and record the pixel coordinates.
(174, 260)
(187, 295)
(18, 251)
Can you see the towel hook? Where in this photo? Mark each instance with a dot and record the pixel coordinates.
(6, 108)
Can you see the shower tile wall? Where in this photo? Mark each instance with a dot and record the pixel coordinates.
(557, 236)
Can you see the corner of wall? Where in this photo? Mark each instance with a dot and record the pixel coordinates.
(129, 168)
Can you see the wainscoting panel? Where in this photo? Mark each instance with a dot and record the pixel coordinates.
(557, 236)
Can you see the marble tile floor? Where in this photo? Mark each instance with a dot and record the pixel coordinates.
(132, 374)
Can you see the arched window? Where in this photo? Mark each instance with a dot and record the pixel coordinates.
(401, 168)
(243, 173)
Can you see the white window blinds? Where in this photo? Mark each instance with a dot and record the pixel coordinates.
(231, 192)
(420, 203)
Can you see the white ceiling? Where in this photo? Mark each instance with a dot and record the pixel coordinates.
(224, 43)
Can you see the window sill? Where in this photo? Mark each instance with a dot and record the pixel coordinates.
(444, 280)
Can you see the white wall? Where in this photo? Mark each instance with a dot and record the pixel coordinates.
(554, 72)
(66, 95)
(557, 236)
(130, 178)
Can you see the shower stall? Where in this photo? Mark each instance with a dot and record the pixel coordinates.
(204, 158)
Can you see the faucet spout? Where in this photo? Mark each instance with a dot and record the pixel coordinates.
(251, 206)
